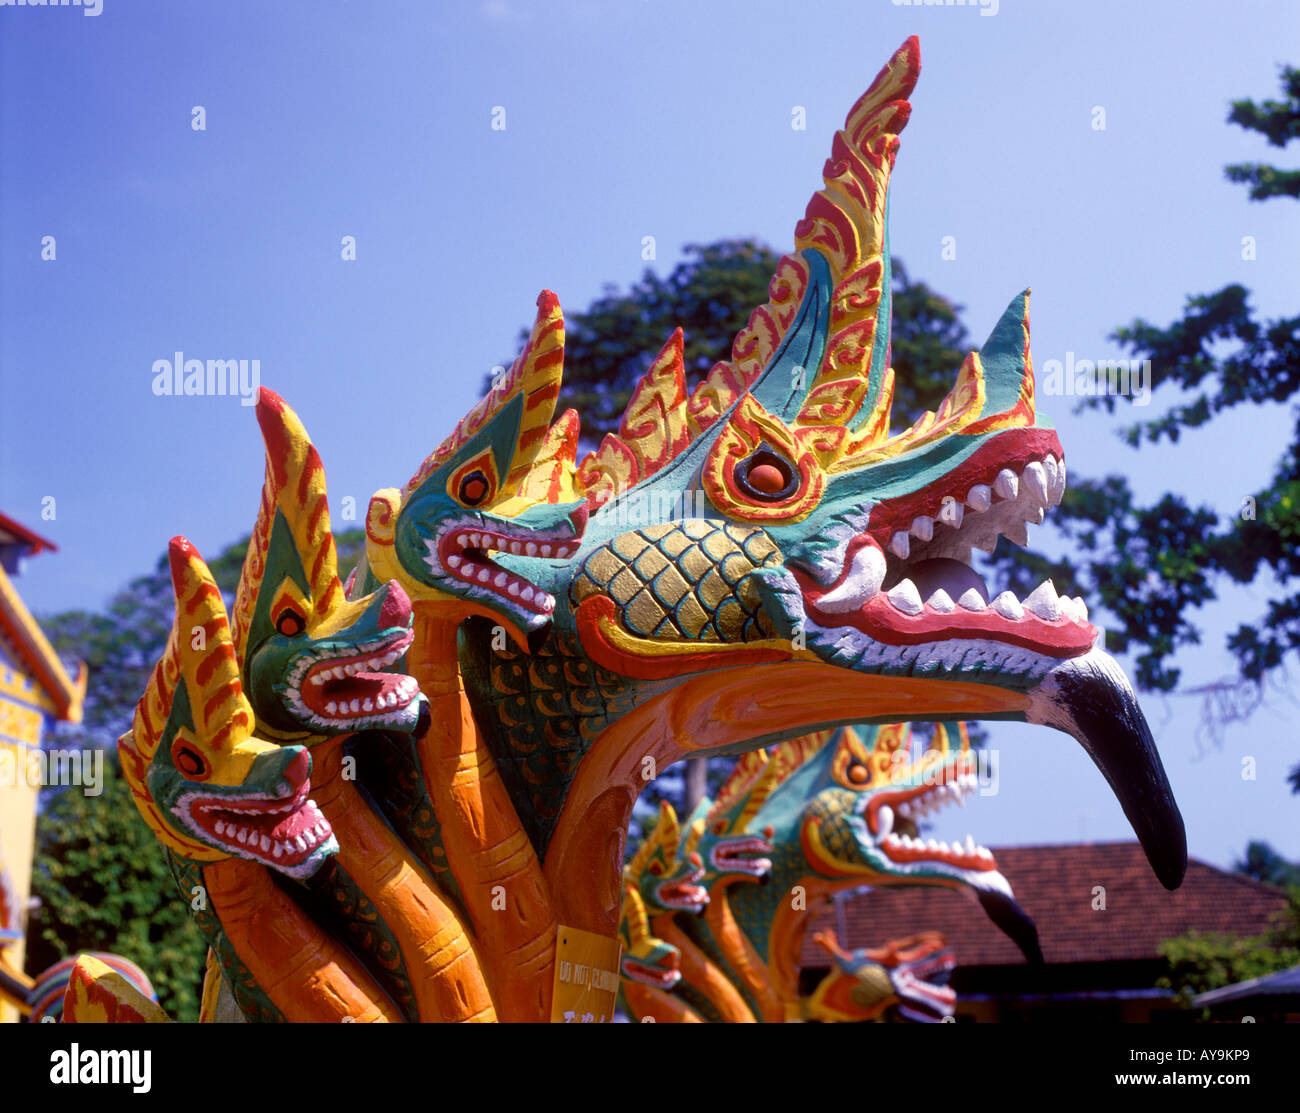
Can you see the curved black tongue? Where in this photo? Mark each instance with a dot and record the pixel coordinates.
(1014, 922)
(1090, 698)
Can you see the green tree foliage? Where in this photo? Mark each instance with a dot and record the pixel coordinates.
(99, 872)
(104, 885)
(1201, 961)
(710, 295)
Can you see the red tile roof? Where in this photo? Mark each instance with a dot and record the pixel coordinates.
(1055, 884)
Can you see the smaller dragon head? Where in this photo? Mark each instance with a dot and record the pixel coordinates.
(646, 959)
(314, 664)
(718, 830)
(854, 806)
(493, 498)
(910, 973)
(205, 783)
(664, 883)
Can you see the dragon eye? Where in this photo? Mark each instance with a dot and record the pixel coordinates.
(656, 868)
(859, 774)
(720, 828)
(767, 476)
(189, 761)
(290, 624)
(473, 488)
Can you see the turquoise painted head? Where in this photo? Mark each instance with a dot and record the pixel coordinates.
(314, 665)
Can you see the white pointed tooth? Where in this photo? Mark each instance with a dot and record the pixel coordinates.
(317, 679)
(265, 844)
(979, 497)
(1008, 606)
(1035, 478)
(932, 844)
(1043, 602)
(513, 588)
(944, 848)
(861, 583)
(1036, 516)
(300, 842)
(1017, 532)
(546, 602)
(368, 705)
(899, 545)
(923, 528)
(971, 600)
(221, 826)
(952, 514)
(356, 706)
(516, 548)
(905, 809)
(1054, 485)
(351, 669)
(485, 575)
(1060, 480)
(278, 849)
(1006, 484)
(331, 707)
(463, 540)
(500, 580)
(905, 597)
(940, 601)
(884, 821)
(339, 672)
(241, 836)
(1080, 608)
(545, 550)
(526, 594)
(453, 562)
(530, 549)
(970, 844)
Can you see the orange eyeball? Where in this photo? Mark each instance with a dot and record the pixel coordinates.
(767, 478)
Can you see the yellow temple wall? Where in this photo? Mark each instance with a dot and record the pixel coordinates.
(22, 719)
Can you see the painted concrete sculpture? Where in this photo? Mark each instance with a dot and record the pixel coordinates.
(834, 810)
(743, 563)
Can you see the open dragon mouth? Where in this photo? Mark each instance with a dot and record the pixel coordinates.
(461, 551)
(892, 815)
(659, 976)
(924, 994)
(289, 834)
(345, 687)
(907, 582)
(748, 855)
(682, 894)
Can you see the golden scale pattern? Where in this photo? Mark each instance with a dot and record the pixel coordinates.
(688, 579)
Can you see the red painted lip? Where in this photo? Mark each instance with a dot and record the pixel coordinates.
(462, 552)
(884, 622)
(1015, 449)
(280, 822)
(660, 977)
(320, 688)
(730, 854)
(881, 620)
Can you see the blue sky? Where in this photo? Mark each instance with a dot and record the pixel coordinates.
(623, 120)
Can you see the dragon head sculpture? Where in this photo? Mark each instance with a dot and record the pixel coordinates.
(910, 973)
(851, 808)
(313, 664)
(765, 558)
(663, 881)
(205, 783)
(719, 834)
(496, 485)
(646, 959)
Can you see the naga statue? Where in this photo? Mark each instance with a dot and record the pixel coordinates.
(407, 798)
(822, 814)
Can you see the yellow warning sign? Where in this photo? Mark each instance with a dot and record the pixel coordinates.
(586, 977)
